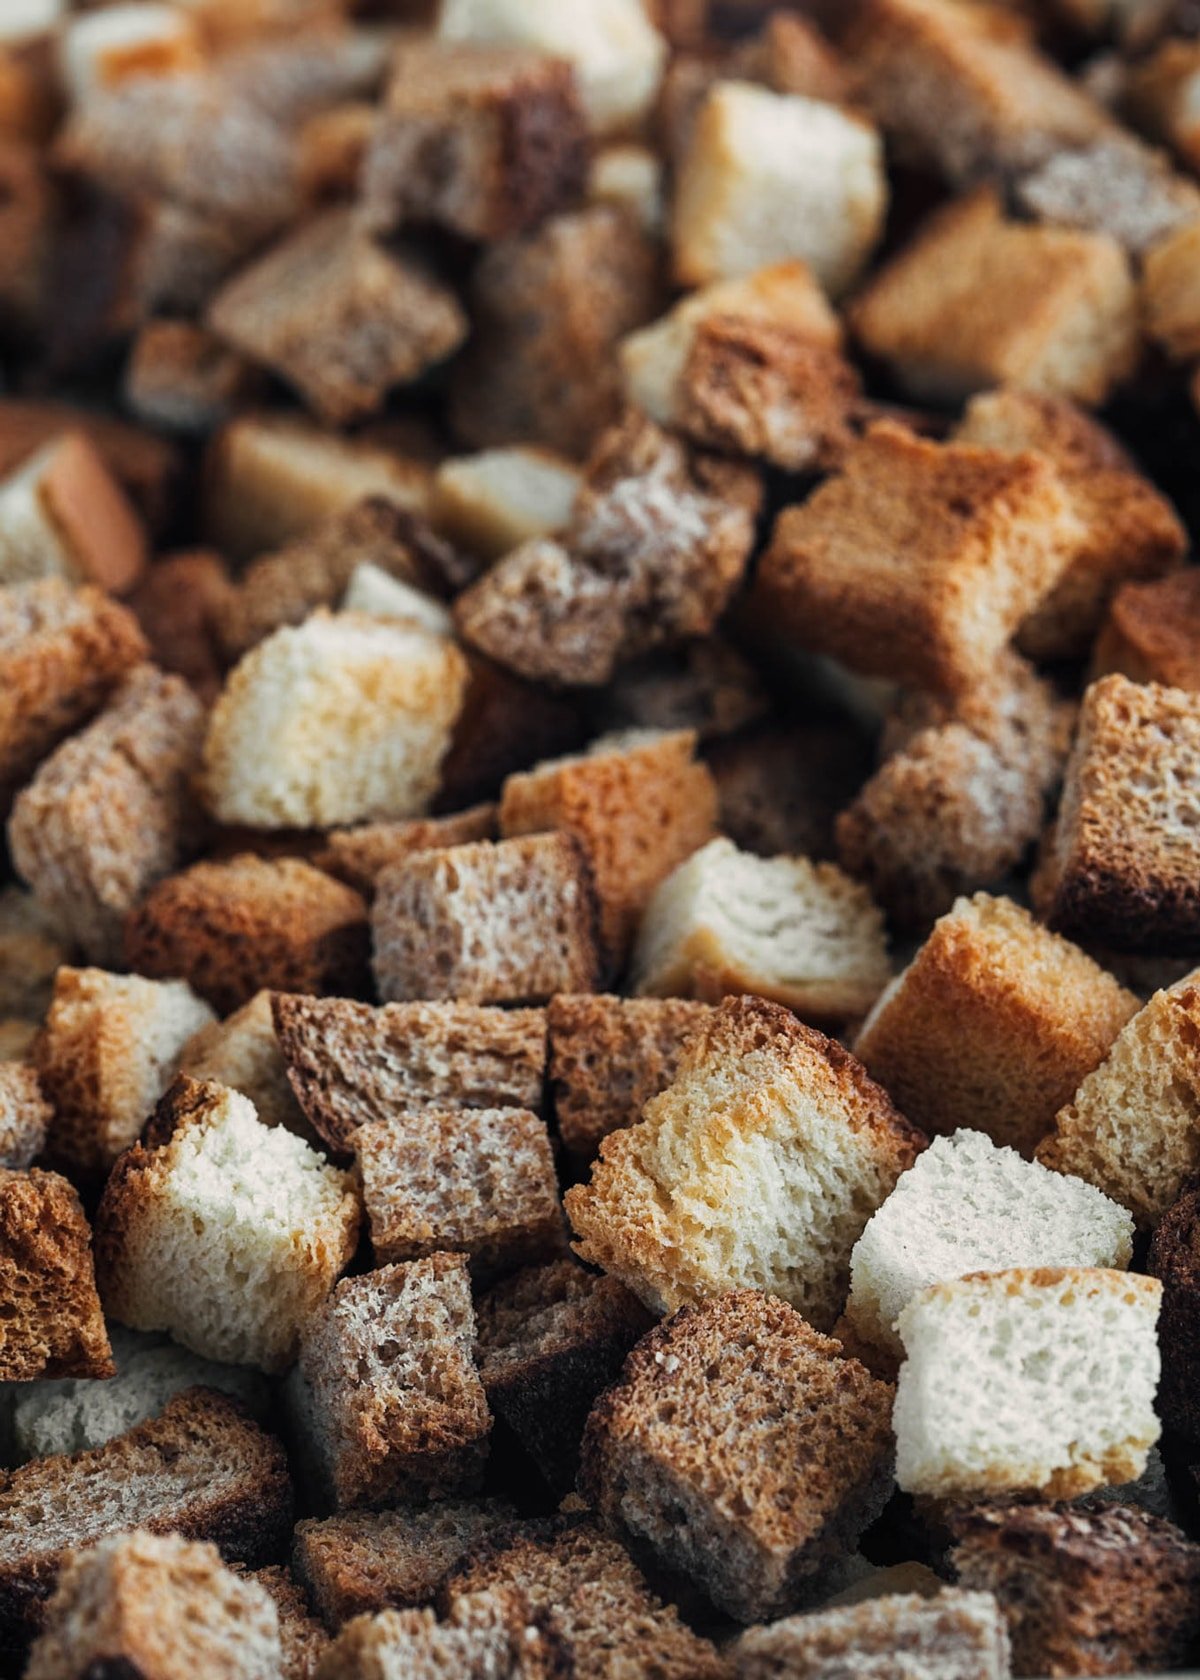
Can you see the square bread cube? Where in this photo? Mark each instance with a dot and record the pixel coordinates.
(493, 502)
(156, 1604)
(640, 803)
(63, 514)
(1027, 1381)
(109, 1047)
(474, 1181)
(482, 1637)
(918, 560)
(52, 1324)
(359, 855)
(25, 1116)
(767, 177)
(726, 921)
(967, 1206)
(390, 1403)
(1122, 868)
(177, 606)
(483, 140)
(978, 299)
(1116, 185)
(242, 1052)
(112, 811)
(757, 1168)
(1152, 632)
(511, 921)
(1092, 1588)
(302, 1638)
(211, 1196)
(744, 1450)
(181, 378)
(994, 1020)
(359, 713)
(1172, 1259)
(949, 1632)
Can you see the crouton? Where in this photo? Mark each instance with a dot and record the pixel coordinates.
(31, 953)
(235, 926)
(767, 177)
(781, 786)
(1170, 294)
(181, 378)
(977, 300)
(28, 226)
(1117, 186)
(24, 1116)
(177, 605)
(493, 502)
(302, 1639)
(391, 1404)
(360, 855)
(215, 1194)
(146, 467)
(1152, 632)
(111, 811)
(493, 1634)
(507, 922)
(965, 1631)
(754, 1514)
(1160, 92)
(994, 1019)
(506, 724)
(918, 560)
(772, 1189)
(26, 19)
(243, 1053)
(1172, 1260)
(53, 1325)
(374, 593)
(704, 685)
(63, 515)
(103, 49)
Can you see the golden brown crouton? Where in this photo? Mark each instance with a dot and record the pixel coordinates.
(1152, 633)
(53, 1325)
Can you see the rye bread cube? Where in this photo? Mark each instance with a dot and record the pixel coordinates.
(1175, 1260)
(53, 1325)
(242, 1052)
(744, 1450)
(493, 1633)
(1152, 632)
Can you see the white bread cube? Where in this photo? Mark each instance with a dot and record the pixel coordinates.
(141, 38)
(357, 714)
(21, 19)
(769, 176)
(228, 1236)
(967, 1206)
(493, 502)
(728, 921)
(617, 54)
(653, 360)
(377, 593)
(1027, 1381)
(631, 176)
(63, 515)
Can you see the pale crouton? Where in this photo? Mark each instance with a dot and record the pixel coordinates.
(63, 515)
(1117, 185)
(493, 502)
(378, 595)
(631, 177)
(102, 49)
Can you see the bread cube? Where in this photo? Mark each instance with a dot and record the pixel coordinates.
(493, 502)
(1171, 294)
(24, 1116)
(31, 953)
(63, 515)
(784, 928)
(550, 1340)
(236, 926)
(374, 593)
(111, 811)
(1152, 632)
(1098, 1587)
(302, 1639)
(360, 855)
(768, 177)
(161, 1605)
(211, 1195)
(473, 1181)
(494, 1633)
(1160, 88)
(1116, 185)
(1122, 867)
(359, 713)
(977, 300)
(27, 226)
(967, 1206)
(506, 724)
(994, 1020)
(145, 466)
(754, 1513)
(508, 922)
(1172, 1259)
(390, 1401)
(758, 1167)
(109, 1047)
(616, 54)
(704, 685)
(177, 605)
(99, 51)
(53, 1325)
(182, 378)
(965, 1631)
(630, 176)
(243, 1053)
(1037, 1380)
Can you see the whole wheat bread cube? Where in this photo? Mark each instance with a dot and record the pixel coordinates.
(351, 1065)
(640, 804)
(62, 653)
(181, 378)
(950, 1632)
(918, 560)
(177, 605)
(488, 1636)
(1115, 185)
(243, 1053)
(767, 177)
(551, 1338)
(615, 1624)
(726, 921)
(492, 502)
(1034, 1380)
(53, 1325)
(360, 855)
(302, 1639)
(111, 811)
(387, 1394)
(233, 926)
(1133, 1125)
(743, 1449)
(607, 1057)
(1096, 1588)
(359, 712)
(31, 953)
(978, 299)
(108, 1049)
(25, 1116)
(156, 1604)
(512, 921)
(1170, 295)
(758, 1167)
(967, 1206)
(549, 308)
(995, 1021)
(359, 1562)
(214, 1195)
(1172, 1259)
(63, 514)
(202, 1470)
(1152, 632)
(483, 140)
(1121, 868)
(474, 1181)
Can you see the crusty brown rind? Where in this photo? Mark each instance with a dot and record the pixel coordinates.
(52, 1325)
